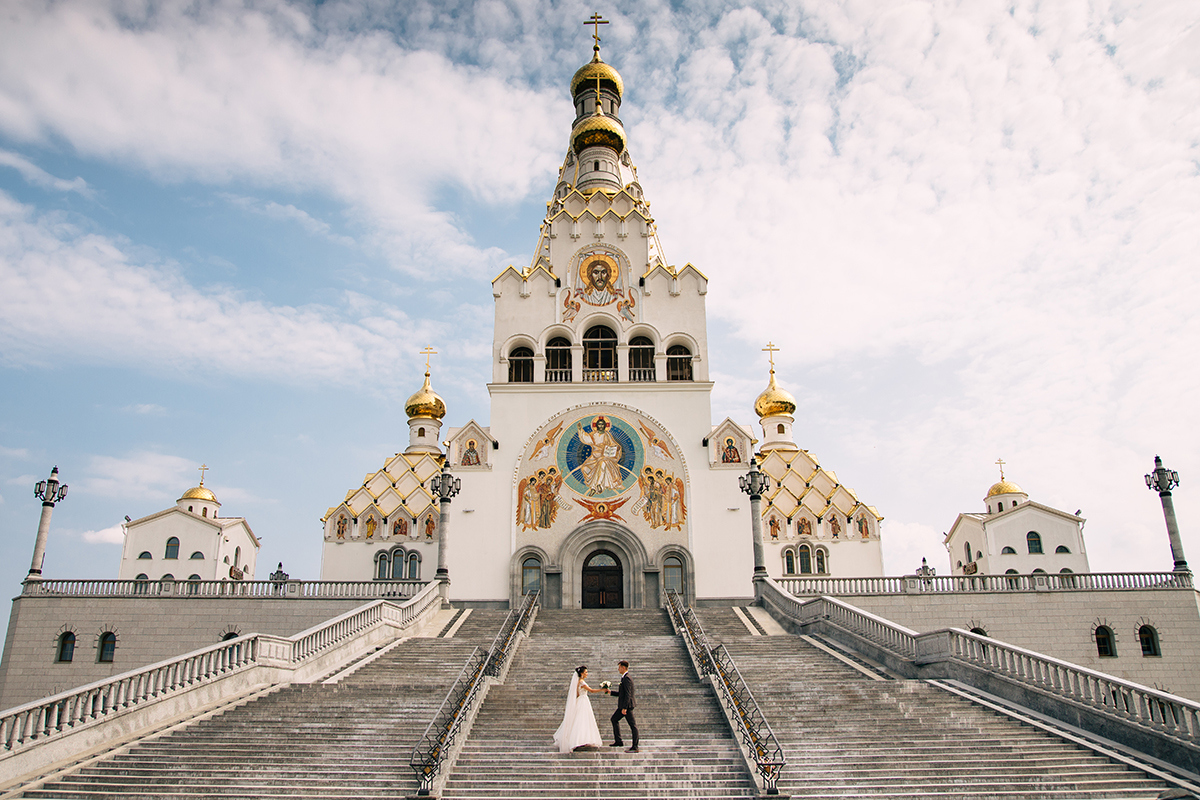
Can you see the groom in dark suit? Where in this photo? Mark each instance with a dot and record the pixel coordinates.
(625, 706)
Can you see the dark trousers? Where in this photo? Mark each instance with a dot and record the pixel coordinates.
(628, 717)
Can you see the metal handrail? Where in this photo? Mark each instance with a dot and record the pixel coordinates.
(430, 752)
(750, 722)
(436, 744)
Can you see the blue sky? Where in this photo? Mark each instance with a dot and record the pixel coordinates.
(227, 228)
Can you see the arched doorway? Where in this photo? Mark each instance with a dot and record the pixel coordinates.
(603, 583)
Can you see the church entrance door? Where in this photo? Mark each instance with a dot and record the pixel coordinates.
(603, 586)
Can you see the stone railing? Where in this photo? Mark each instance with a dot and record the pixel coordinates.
(289, 590)
(949, 584)
(758, 743)
(76, 711)
(1000, 668)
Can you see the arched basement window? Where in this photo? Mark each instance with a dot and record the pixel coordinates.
(172, 550)
(520, 365)
(66, 647)
(673, 574)
(1106, 646)
(1034, 540)
(641, 359)
(599, 354)
(531, 576)
(145, 554)
(1062, 548)
(558, 361)
(197, 556)
(679, 363)
(108, 647)
(1008, 551)
(1148, 637)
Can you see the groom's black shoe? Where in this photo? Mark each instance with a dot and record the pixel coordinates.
(633, 750)
(617, 744)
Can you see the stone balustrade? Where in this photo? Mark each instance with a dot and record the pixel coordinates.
(74, 711)
(949, 584)
(283, 590)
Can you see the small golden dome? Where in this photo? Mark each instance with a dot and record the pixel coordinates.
(774, 401)
(1005, 486)
(598, 129)
(199, 493)
(425, 403)
(585, 77)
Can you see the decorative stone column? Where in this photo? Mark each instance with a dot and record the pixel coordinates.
(49, 492)
(444, 486)
(1164, 480)
(754, 483)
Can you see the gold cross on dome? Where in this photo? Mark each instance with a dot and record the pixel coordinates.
(427, 352)
(596, 21)
(1001, 462)
(203, 468)
(771, 350)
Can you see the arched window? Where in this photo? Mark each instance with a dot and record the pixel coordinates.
(1034, 540)
(197, 555)
(421, 433)
(204, 511)
(167, 577)
(558, 361)
(230, 635)
(679, 363)
(531, 576)
(822, 567)
(599, 354)
(381, 567)
(1066, 571)
(398, 565)
(979, 631)
(1039, 571)
(1062, 548)
(172, 548)
(414, 567)
(968, 549)
(1106, 645)
(641, 359)
(1146, 635)
(66, 647)
(780, 429)
(1013, 582)
(789, 562)
(805, 560)
(520, 365)
(145, 554)
(107, 647)
(673, 574)
(193, 583)
(1008, 551)
(596, 167)
(237, 556)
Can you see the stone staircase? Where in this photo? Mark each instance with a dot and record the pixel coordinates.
(351, 739)
(686, 749)
(846, 735)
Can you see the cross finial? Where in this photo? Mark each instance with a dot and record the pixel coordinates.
(1001, 462)
(203, 468)
(427, 352)
(596, 21)
(771, 350)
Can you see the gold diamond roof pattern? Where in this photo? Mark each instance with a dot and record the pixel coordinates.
(398, 486)
(800, 482)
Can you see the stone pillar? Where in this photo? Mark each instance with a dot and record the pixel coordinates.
(443, 571)
(1164, 480)
(623, 363)
(753, 483)
(49, 492)
(577, 363)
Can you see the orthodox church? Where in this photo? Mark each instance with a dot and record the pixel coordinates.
(601, 478)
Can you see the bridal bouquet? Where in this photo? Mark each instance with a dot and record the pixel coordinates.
(606, 685)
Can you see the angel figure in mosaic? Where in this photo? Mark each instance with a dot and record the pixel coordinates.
(527, 516)
(400, 528)
(805, 527)
(676, 510)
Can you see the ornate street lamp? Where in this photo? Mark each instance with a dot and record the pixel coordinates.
(49, 492)
(754, 483)
(1163, 480)
(444, 486)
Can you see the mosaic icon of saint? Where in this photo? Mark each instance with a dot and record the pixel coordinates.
(371, 527)
(599, 282)
(730, 455)
(835, 526)
(400, 528)
(429, 524)
(470, 456)
(341, 527)
(774, 525)
(863, 528)
(601, 470)
(805, 527)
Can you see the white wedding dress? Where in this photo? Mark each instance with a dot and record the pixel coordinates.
(579, 723)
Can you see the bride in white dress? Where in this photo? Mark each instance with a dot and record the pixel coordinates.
(578, 728)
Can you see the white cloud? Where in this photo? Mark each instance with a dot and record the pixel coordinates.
(112, 535)
(13, 452)
(39, 177)
(147, 409)
(139, 475)
(288, 213)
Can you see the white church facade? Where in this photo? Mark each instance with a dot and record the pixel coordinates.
(601, 478)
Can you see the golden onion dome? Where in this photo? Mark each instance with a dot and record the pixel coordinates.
(598, 129)
(1005, 486)
(199, 493)
(425, 403)
(774, 401)
(585, 77)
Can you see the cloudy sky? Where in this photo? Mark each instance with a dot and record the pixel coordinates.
(226, 229)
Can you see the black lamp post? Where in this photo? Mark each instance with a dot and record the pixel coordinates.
(754, 483)
(1163, 480)
(444, 486)
(49, 492)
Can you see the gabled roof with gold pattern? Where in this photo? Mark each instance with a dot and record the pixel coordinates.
(800, 482)
(401, 486)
